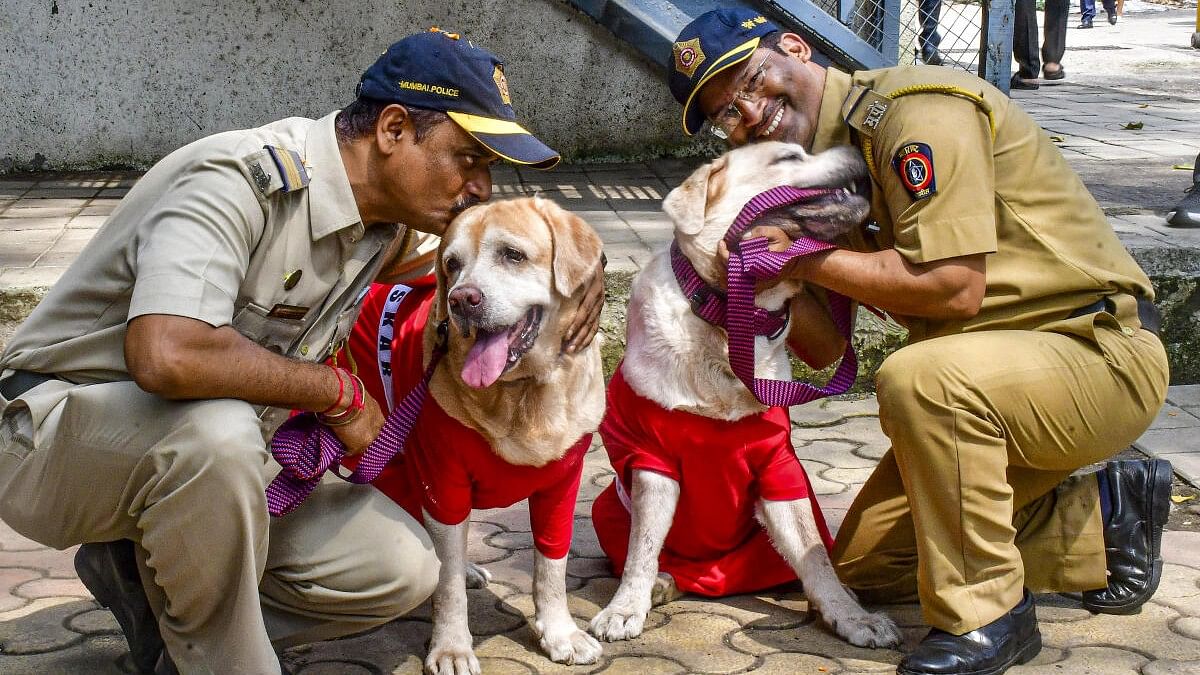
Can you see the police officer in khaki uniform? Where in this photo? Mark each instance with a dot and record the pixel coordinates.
(1033, 347)
(135, 397)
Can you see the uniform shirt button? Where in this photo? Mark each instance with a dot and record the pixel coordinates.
(1127, 330)
(304, 350)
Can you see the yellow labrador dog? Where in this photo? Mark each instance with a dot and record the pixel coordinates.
(510, 276)
(676, 372)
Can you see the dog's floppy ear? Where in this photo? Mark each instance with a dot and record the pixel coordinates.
(576, 247)
(440, 309)
(687, 204)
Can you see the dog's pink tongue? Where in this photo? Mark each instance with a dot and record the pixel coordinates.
(486, 360)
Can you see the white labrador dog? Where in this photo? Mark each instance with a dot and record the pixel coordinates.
(510, 277)
(678, 361)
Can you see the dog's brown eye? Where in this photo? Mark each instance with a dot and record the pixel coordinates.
(452, 265)
(513, 255)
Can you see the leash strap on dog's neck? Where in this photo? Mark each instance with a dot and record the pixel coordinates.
(710, 303)
(306, 449)
(750, 261)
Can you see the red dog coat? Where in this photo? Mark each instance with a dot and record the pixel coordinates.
(715, 546)
(448, 468)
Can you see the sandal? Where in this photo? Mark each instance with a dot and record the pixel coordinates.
(1056, 74)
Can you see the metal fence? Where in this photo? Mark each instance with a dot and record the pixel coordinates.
(975, 35)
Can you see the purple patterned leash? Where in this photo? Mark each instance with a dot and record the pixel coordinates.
(710, 303)
(750, 261)
(306, 449)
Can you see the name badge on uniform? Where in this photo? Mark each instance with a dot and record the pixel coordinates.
(914, 163)
(282, 311)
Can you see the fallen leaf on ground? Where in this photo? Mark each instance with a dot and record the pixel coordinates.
(1057, 139)
(1132, 126)
(1144, 105)
(1184, 167)
(1179, 499)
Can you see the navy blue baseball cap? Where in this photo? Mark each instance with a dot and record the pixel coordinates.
(443, 71)
(712, 43)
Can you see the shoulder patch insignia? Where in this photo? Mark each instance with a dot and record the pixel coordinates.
(291, 168)
(262, 171)
(864, 110)
(914, 163)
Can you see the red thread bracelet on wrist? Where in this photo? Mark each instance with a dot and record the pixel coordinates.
(356, 405)
(341, 390)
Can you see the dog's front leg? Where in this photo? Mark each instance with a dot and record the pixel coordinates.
(654, 499)
(557, 633)
(450, 649)
(793, 531)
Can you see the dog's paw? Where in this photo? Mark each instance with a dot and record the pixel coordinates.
(477, 577)
(568, 644)
(448, 659)
(868, 630)
(618, 623)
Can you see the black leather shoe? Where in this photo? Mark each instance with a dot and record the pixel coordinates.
(932, 57)
(1008, 641)
(1112, 19)
(1187, 214)
(1084, 24)
(110, 572)
(1141, 501)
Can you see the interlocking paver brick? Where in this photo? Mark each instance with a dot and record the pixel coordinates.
(53, 588)
(1097, 660)
(95, 621)
(1126, 632)
(839, 453)
(643, 665)
(1171, 667)
(12, 578)
(43, 630)
(816, 477)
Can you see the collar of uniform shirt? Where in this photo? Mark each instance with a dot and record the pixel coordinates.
(331, 204)
(831, 129)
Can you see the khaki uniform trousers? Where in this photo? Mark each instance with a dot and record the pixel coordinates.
(974, 501)
(185, 481)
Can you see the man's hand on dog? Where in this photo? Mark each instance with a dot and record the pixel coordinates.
(363, 429)
(587, 318)
(777, 241)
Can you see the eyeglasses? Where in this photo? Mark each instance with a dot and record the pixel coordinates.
(723, 124)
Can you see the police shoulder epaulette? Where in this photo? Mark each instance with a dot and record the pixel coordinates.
(864, 110)
(277, 169)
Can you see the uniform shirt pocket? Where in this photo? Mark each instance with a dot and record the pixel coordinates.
(276, 333)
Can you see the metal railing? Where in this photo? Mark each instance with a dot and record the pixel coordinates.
(975, 35)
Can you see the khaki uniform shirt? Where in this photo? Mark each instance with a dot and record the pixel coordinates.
(212, 233)
(1049, 248)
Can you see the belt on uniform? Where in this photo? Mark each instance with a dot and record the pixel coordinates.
(22, 381)
(1148, 314)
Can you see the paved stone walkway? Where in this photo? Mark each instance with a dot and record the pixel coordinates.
(49, 624)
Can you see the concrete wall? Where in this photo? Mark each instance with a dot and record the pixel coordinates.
(90, 83)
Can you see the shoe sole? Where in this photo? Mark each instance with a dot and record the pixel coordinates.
(1161, 471)
(1025, 655)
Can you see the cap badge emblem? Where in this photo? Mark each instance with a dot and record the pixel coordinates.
(501, 84)
(688, 56)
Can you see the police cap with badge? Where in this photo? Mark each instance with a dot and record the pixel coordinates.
(711, 44)
(443, 71)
